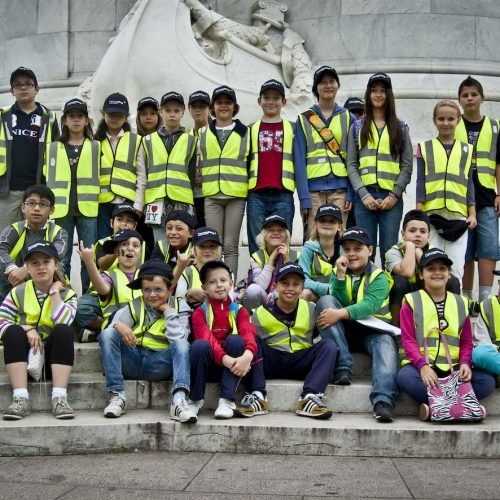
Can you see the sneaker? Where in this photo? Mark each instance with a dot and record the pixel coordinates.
(195, 406)
(383, 412)
(181, 412)
(116, 407)
(342, 377)
(87, 335)
(225, 409)
(424, 413)
(19, 408)
(251, 406)
(312, 406)
(61, 409)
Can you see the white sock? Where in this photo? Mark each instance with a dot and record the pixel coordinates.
(258, 394)
(307, 395)
(178, 395)
(484, 292)
(59, 392)
(21, 393)
(467, 293)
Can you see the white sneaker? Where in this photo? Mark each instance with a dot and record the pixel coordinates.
(116, 407)
(225, 409)
(181, 412)
(195, 406)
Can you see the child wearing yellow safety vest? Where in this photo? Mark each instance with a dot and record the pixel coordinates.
(146, 341)
(225, 347)
(423, 313)
(38, 204)
(445, 187)
(121, 177)
(71, 170)
(286, 331)
(360, 291)
(35, 319)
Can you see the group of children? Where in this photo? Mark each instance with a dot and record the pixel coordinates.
(163, 303)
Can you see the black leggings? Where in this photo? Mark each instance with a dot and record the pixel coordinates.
(59, 348)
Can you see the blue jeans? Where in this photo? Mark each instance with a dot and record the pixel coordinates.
(351, 336)
(482, 242)
(387, 222)
(262, 204)
(86, 229)
(140, 363)
(103, 220)
(87, 310)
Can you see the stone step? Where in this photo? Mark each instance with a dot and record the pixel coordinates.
(87, 392)
(276, 433)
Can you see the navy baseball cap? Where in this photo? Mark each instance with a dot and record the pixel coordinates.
(380, 77)
(152, 267)
(289, 268)
(356, 233)
(354, 103)
(274, 219)
(199, 96)
(116, 103)
(203, 234)
(122, 208)
(183, 216)
(273, 85)
(172, 96)
(76, 104)
(213, 264)
(224, 90)
(44, 247)
(23, 71)
(148, 101)
(329, 209)
(109, 245)
(434, 254)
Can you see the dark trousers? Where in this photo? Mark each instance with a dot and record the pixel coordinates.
(203, 370)
(402, 286)
(313, 365)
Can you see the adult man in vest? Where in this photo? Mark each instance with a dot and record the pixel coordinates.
(271, 180)
(25, 129)
(320, 148)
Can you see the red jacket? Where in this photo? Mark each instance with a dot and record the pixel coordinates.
(221, 328)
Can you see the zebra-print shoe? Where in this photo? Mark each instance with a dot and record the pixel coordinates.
(312, 406)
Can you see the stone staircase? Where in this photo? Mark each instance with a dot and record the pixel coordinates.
(351, 431)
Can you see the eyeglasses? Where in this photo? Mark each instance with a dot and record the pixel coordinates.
(375, 90)
(158, 290)
(22, 85)
(33, 204)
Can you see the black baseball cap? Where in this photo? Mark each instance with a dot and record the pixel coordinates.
(380, 77)
(356, 233)
(272, 85)
(434, 254)
(203, 234)
(183, 216)
(116, 103)
(199, 96)
(224, 90)
(44, 247)
(329, 209)
(274, 219)
(172, 96)
(289, 268)
(76, 104)
(152, 267)
(318, 75)
(354, 103)
(109, 245)
(148, 101)
(122, 208)
(23, 71)
(419, 215)
(209, 266)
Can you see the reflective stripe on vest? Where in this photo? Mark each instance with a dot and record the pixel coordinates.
(153, 336)
(233, 315)
(446, 177)
(486, 150)
(192, 277)
(31, 312)
(321, 270)
(490, 312)
(51, 231)
(287, 168)
(261, 257)
(281, 337)
(225, 170)
(167, 174)
(320, 160)
(376, 164)
(123, 159)
(425, 318)
(58, 173)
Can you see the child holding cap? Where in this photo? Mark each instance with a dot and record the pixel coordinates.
(321, 251)
(274, 250)
(380, 163)
(167, 155)
(225, 346)
(320, 150)
(224, 148)
(271, 179)
(360, 290)
(37, 315)
(286, 331)
(423, 314)
(71, 170)
(146, 341)
(121, 178)
(147, 119)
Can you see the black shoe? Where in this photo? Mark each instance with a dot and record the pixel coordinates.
(342, 377)
(87, 335)
(383, 412)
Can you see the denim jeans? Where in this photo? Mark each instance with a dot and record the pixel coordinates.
(351, 336)
(87, 310)
(103, 220)
(262, 204)
(387, 222)
(86, 229)
(140, 363)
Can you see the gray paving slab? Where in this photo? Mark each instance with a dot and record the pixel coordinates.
(20, 490)
(258, 474)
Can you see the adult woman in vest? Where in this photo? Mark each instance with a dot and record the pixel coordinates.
(380, 163)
